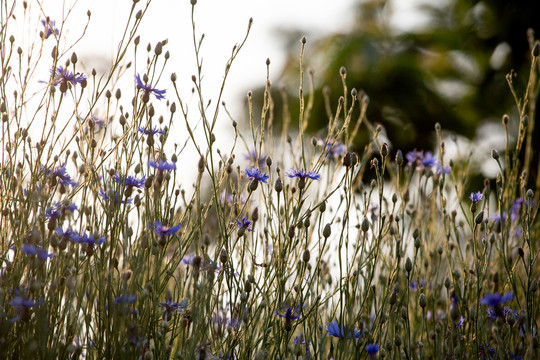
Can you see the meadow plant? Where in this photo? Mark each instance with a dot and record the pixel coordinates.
(284, 247)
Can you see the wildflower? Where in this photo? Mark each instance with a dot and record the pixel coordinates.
(252, 156)
(126, 299)
(222, 322)
(33, 250)
(153, 131)
(337, 331)
(302, 174)
(92, 240)
(147, 89)
(255, 175)
(49, 28)
(289, 316)
(334, 148)
(95, 123)
(129, 181)
(110, 194)
(59, 209)
(168, 307)
(419, 158)
(461, 321)
(69, 234)
(162, 230)
(495, 300)
(245, 223)
(61, 175)
(516, 207)
(63, 77)
(23, 307)
(372, 349)
(290, 313)
(162, 165)
(486, 351)
(301, 340)
(476, 197)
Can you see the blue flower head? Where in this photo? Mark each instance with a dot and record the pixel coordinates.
(69, 235)
(302, 174)
(65, 76)
(372, 349)
(113, 198)
(126, 299)
(153, 131)
(337, 331)
(162, 165)
(33, 250)
(162, 230)
(419, 158)
(130, 181)
(62, 176)
(91, 240)
(290, 314)
(494, 301)
(148, 89)
(244, 224)
(49, 28)
(255, 159)
(168, 307)
(255, 175)
(476, 197)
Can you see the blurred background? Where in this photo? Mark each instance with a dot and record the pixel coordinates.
(419, 61)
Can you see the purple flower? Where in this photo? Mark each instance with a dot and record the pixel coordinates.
(153, 131)
(110, 194)
(420, 158)
(23, 306)
(62, 176)
(496, 299)
(126, 299)
(290, 314)
(90, 240)
(302, 174)
(516, 206)
(65, 76)
(244, 224)
(49, 28)
(168, 307)
(461, 321)
(259, 160)
(372, 349)
(301, 340)
(485, 351)
(147, 89)
(59, 209)
(130, 181)
(162, 230)
(33, 250)
(69, 234)
(335, 148)
(161, 165)
(255, 175)
(476, 197)
(337, 331)
(221, 322)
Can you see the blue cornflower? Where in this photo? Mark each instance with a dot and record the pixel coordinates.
(302, 174)
(222, 322)
(130, 181)
(255, 175)
(153, 131)
(33, 250)
(161, 165)
(59, 209)
(49, 28)
(168, 307)
(147, 89)
(516, 207)
(162, 230)
(461, 321)
(107, 197)
(420, 158)
(337, 331)
(486, 351)
(496, 299)
(301, 340)
(91, 240)
(372, 349)
(64, 76)
(290, 314)
(126, 299)
(23, 307)
(244, 224)
(69, 234)
(476, 197)
(335, 149)
(255, 159)
(62, 175)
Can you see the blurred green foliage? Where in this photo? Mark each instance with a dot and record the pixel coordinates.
(452, 70)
